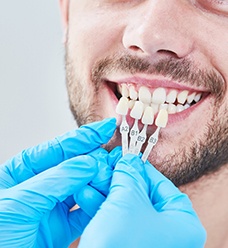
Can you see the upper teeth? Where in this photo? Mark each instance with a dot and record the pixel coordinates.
(160, 98)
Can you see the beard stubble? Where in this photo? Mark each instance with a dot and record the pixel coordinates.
(204, 155)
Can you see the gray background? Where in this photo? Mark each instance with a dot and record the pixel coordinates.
(33, 98)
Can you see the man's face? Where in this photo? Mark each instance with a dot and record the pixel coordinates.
(175, 45)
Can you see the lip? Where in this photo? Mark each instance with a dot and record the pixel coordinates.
(156, 83)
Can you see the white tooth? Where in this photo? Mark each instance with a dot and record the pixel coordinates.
(137, 110)
(162, 118)
(122, 106)
(186, 106)
(155, 108)
(144, 95)
(190, 98)
(171, 97)
(180, 108)
(133, 93)
(159, 96)
(197, 97)
(131, 104)
(145, 105)
(148, 116)
(124, 90)
(182, 96)
(172, 109)
(163, 106)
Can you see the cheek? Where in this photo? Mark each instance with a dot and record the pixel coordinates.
(213, 41)
(90, 41)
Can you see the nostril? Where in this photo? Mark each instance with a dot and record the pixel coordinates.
(135, 48)
(168, 52)
(164, 52)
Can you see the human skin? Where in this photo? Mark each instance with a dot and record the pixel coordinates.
(192, 149)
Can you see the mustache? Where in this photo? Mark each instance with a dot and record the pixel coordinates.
(181, 70)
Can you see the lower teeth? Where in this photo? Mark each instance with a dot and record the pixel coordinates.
(170, 107)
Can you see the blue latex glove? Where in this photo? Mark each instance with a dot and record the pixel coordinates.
(143, 209)
(90, 197)
(36, 188)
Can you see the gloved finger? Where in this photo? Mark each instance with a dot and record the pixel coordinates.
(114, 156)
(164, 194)
(101, 182)
(78, 220)
(88, 137)
(103, 178)
(129, 174)
(89, 199)
(37, 195)
(42, 157)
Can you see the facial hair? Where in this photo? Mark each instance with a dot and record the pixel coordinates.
(205, 155)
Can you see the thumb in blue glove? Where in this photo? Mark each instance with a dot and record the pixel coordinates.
(143, 209)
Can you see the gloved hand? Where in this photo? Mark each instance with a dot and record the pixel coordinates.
(90, 197)
(38, 185)
(143, 209)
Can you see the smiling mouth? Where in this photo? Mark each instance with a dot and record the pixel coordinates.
(149, 106)
(171, 99)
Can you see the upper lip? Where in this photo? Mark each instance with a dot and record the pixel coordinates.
(155, 82)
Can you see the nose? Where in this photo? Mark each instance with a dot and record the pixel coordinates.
(158, 28)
